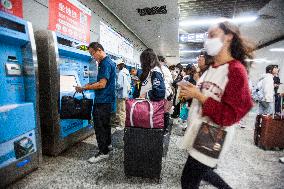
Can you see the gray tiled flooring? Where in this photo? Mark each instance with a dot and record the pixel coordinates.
(244, 167)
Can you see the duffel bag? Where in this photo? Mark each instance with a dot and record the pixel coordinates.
(144, 113)
(73, 108)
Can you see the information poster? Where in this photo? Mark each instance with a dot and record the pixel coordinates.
(70, 18)
(115, 43)
(14, 7)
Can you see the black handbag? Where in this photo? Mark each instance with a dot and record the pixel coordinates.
(73, 108)
(210, 140)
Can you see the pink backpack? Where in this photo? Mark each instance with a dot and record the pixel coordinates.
(144, 113)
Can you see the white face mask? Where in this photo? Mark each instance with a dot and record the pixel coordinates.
(213, 46)
(175, 73)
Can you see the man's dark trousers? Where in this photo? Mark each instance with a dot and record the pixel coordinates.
(101, 114)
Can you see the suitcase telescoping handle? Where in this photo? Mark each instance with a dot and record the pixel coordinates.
(151, 112)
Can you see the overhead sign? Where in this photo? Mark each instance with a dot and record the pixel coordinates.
(14, 7)
(193, 37)
(70, 18)
(114, 42)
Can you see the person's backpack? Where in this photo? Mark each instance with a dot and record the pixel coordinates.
(257, 91)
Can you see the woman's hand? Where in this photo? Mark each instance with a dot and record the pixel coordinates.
(189, 91)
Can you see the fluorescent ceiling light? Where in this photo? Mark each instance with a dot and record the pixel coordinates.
(259, 60)
(190, 51)
(203, 22)
(277, 50)
(243, 19)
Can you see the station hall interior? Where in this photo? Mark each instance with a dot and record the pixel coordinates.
(45, 55)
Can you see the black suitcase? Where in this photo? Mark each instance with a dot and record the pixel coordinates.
(143, 150)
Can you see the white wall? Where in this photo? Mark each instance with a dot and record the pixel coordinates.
(37, 13)
(268, 57)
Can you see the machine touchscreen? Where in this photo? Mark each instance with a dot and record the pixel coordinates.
(67, 83)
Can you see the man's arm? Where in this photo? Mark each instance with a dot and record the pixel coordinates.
(93, 86)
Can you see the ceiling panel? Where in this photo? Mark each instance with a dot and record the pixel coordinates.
(218, 8)
(268, 26)
(159, 31)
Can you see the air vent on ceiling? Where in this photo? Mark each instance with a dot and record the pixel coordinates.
(151, 11)
(266, 17)
(171, 56)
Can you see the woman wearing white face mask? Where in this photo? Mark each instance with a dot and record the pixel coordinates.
(220, 100)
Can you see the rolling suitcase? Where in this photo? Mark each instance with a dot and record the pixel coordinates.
(269, 132)
(143, 150)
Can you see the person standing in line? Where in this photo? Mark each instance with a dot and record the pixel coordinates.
(104, 98)
(122, 91)
(266, 85)
(190, 71)
(168, 79)
(203, 62)
(220, 99)
(276, 79)
(135, 83)
(153, 85)
(177, 77)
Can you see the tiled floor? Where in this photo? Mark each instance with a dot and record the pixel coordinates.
(244, 167)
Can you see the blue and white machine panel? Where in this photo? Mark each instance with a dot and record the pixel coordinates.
(74, 71)
(18, 91)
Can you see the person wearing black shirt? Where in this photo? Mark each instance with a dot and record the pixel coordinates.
(277, 82)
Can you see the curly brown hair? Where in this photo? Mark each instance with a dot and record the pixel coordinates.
(241, 49)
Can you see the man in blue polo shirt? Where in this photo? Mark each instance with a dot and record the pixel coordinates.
(104, 98)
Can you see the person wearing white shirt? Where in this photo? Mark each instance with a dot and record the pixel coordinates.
(266, 105)
(122, 90)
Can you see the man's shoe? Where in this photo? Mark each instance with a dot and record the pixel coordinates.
(98, 157)
(281, 160)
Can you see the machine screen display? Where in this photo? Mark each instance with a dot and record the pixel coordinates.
(12, 25)
(67, 83)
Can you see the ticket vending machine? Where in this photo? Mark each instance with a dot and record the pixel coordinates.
(20, 149)
(61, 67)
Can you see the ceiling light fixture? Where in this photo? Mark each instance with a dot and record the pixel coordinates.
(277, 50)
(243, 19)
(259, 60)
(190, 51)
(203, 22)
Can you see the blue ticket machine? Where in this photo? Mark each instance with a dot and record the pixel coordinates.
(20, 150)
(61, 67)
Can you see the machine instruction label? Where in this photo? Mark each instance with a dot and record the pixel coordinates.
(17, 148)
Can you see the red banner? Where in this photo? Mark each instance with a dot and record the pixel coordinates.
(14, 7)
(70, 18)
